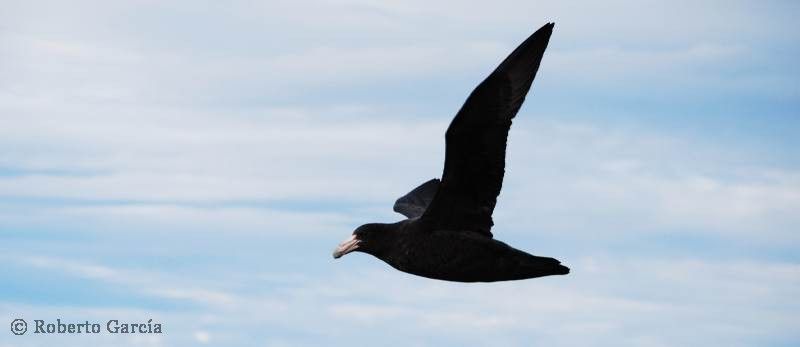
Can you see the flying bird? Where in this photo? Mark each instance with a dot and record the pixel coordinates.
(447, 235)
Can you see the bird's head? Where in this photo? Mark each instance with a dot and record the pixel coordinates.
(365, 238)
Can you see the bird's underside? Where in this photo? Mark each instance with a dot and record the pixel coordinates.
(448, 234)
(464, 256)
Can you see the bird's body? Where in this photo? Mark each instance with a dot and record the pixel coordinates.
(461, 256)
(448, 234)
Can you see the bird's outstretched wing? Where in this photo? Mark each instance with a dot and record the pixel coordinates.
(415, 203)
(476, 141)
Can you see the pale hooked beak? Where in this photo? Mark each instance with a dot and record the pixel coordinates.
(347, 246)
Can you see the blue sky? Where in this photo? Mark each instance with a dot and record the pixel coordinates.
(196, 163)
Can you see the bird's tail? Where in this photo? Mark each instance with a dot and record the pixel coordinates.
(543, 266)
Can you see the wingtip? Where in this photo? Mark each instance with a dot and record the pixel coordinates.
(547, 27)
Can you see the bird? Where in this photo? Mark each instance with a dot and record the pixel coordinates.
(447, 231)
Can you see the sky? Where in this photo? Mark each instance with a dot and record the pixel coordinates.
(196, 162)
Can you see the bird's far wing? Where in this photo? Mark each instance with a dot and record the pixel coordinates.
(414, 203)
(476, 141)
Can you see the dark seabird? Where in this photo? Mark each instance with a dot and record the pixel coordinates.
(447, 234)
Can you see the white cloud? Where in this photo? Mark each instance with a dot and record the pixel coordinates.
(605, 301)
(260, 52)
(143, 281)
(583, 180)
(202, 337)
(618, 180)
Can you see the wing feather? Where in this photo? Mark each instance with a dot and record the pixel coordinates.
(476, 141)
(415, 203)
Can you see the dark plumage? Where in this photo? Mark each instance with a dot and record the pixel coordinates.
(448, 234)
